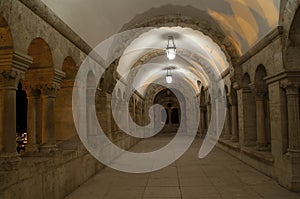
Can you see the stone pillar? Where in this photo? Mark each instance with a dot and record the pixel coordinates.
(247, 119)
(109, 115)
(202, 121)
(227, 133)
(234, 112)
(234, 123)
(64, 122)
(208, 105)
(8, 87)
(260, 121)
(91, 93)
(48, 120)
(33, 120)
(292, 92)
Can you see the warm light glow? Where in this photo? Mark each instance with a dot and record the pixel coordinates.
(171, 48)
(169, 79)
(171, 53)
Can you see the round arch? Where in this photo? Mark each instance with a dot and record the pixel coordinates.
(6, 44)
(41, 54)
(193, 22)
(292, 58)
(69, 67)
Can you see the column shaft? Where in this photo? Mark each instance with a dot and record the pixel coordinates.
(8, 87)
(234, 122)
(33, 120)
(227, 134)
(260, 123)
(8, 122)
(48, 120)
(293, 118)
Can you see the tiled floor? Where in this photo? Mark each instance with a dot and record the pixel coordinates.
(219, 175)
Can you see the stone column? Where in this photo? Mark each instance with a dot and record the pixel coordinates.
(292, 92)
(48, 120)
(8, 87)
(234, 123)
(109, 115)
(227, 133)
(202, 121)
(234, 112)
(247, 119)
(90, 108)
(260, 120)
(208, 105)
(33, 120)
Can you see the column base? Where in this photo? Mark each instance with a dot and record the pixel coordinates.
(234, 139)
(32, 148)
(202, 133)
(48, 148)
(262, 148)
(226, 137)
(293, 152)
(10, 157)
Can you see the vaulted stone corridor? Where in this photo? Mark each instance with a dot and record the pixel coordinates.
(160, 99)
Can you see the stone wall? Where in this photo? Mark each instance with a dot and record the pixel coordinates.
(276, 159)
(40, 51)
(51, 175)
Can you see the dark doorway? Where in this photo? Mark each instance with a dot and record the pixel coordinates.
(21, 118)
(175, 116)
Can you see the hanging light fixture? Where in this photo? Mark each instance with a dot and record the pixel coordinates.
(171, 48)
(169, 78)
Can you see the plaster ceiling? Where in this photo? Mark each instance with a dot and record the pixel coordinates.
(244, 22)
(186, 39)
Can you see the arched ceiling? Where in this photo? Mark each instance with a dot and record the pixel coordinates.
(189, 43)
(243, 21)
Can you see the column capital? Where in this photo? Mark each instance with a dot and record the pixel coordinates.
(290, 87)
(38, 78)
(236, 85)
(31, 92)
(9, 79)
(258, 87)
(49, 90)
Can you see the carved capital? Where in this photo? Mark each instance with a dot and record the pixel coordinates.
(290, 87)
(49, 90)
(32, 92)
(258, 89)
(10, 79)
(39, 78)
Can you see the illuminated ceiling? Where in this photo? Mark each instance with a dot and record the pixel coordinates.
(186, 39)
(244, 22)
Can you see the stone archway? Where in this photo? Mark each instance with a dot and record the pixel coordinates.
(168, 100)
(9, 79)
(262, 108)
(6, 44)
(207, 27)
(293, 43)
(41, 83)
(248, 114)
(64, 124)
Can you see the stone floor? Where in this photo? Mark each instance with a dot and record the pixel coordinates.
(219, 175)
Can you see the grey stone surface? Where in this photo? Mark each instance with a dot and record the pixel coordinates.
(219, 175)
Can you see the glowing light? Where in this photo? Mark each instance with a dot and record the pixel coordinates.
(169, 79)
(171, 48)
